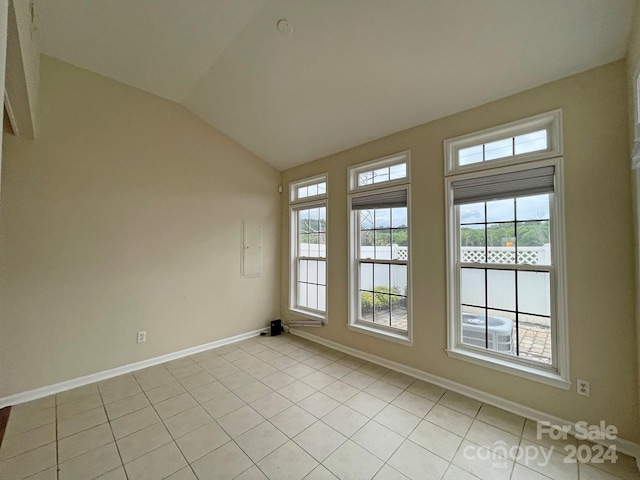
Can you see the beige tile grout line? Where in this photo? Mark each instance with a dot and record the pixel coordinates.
(521, 433)
(475, 417)
(162, 421)
(197, 403)
(214, 420)
(406, 438)
(104, 407)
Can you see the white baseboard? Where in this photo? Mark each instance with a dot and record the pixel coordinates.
(114, 372)
(623, 446)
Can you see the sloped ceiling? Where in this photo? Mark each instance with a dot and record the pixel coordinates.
(351, 71)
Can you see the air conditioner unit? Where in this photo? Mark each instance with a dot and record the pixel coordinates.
(499, 335)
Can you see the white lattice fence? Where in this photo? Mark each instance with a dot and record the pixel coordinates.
(526, 255)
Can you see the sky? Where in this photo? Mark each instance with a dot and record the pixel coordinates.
(534, 207)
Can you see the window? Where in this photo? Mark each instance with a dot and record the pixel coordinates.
(308, 270)
(310, 188)
(380, 248)
(522, 141)
(506, 147)
(505, 260)
(382, 172)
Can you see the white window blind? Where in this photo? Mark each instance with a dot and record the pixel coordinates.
(504, 185)
(392, 199)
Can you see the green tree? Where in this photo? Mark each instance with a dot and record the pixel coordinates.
(383, 238)
(529, 234)
(400, 237)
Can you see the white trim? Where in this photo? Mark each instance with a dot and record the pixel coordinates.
(294, 209)
(305, 182)
(551, 121)
(18, 66)
(559, 254)
(12, 118)
(307, 315)
(377, 331)
(560, 377)
(623, 446)
(4, 14)
(295, 205)
(114, 372)
(353, 322)
(388, 161)
(636, 99)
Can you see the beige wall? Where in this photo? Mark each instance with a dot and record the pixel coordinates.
(125, 215)
(599, 248)
(633, 65)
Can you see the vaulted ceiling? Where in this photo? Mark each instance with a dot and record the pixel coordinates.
(351, 71)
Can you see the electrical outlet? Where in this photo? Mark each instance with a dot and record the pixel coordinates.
(142, 337)
(583, 387)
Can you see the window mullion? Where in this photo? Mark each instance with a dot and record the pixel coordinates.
(383, 261)
(517, 294)
(363, 315)
(312, 209)
(522, 267)
(526, 300)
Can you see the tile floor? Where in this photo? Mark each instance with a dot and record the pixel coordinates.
(278, 408)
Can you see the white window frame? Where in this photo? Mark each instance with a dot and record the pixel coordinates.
(558, 374)
(549, 121)
(388, 161)
(635, 152)
(305, 182)
(354, 323)
(295, 206)
(636, 110)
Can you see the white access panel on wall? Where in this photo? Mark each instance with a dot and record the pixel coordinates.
(251, 249)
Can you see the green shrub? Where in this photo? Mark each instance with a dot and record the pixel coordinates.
(379, 300)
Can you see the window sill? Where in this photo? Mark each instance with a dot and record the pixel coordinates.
(308, 315)
(375, 332)
(530, 373)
